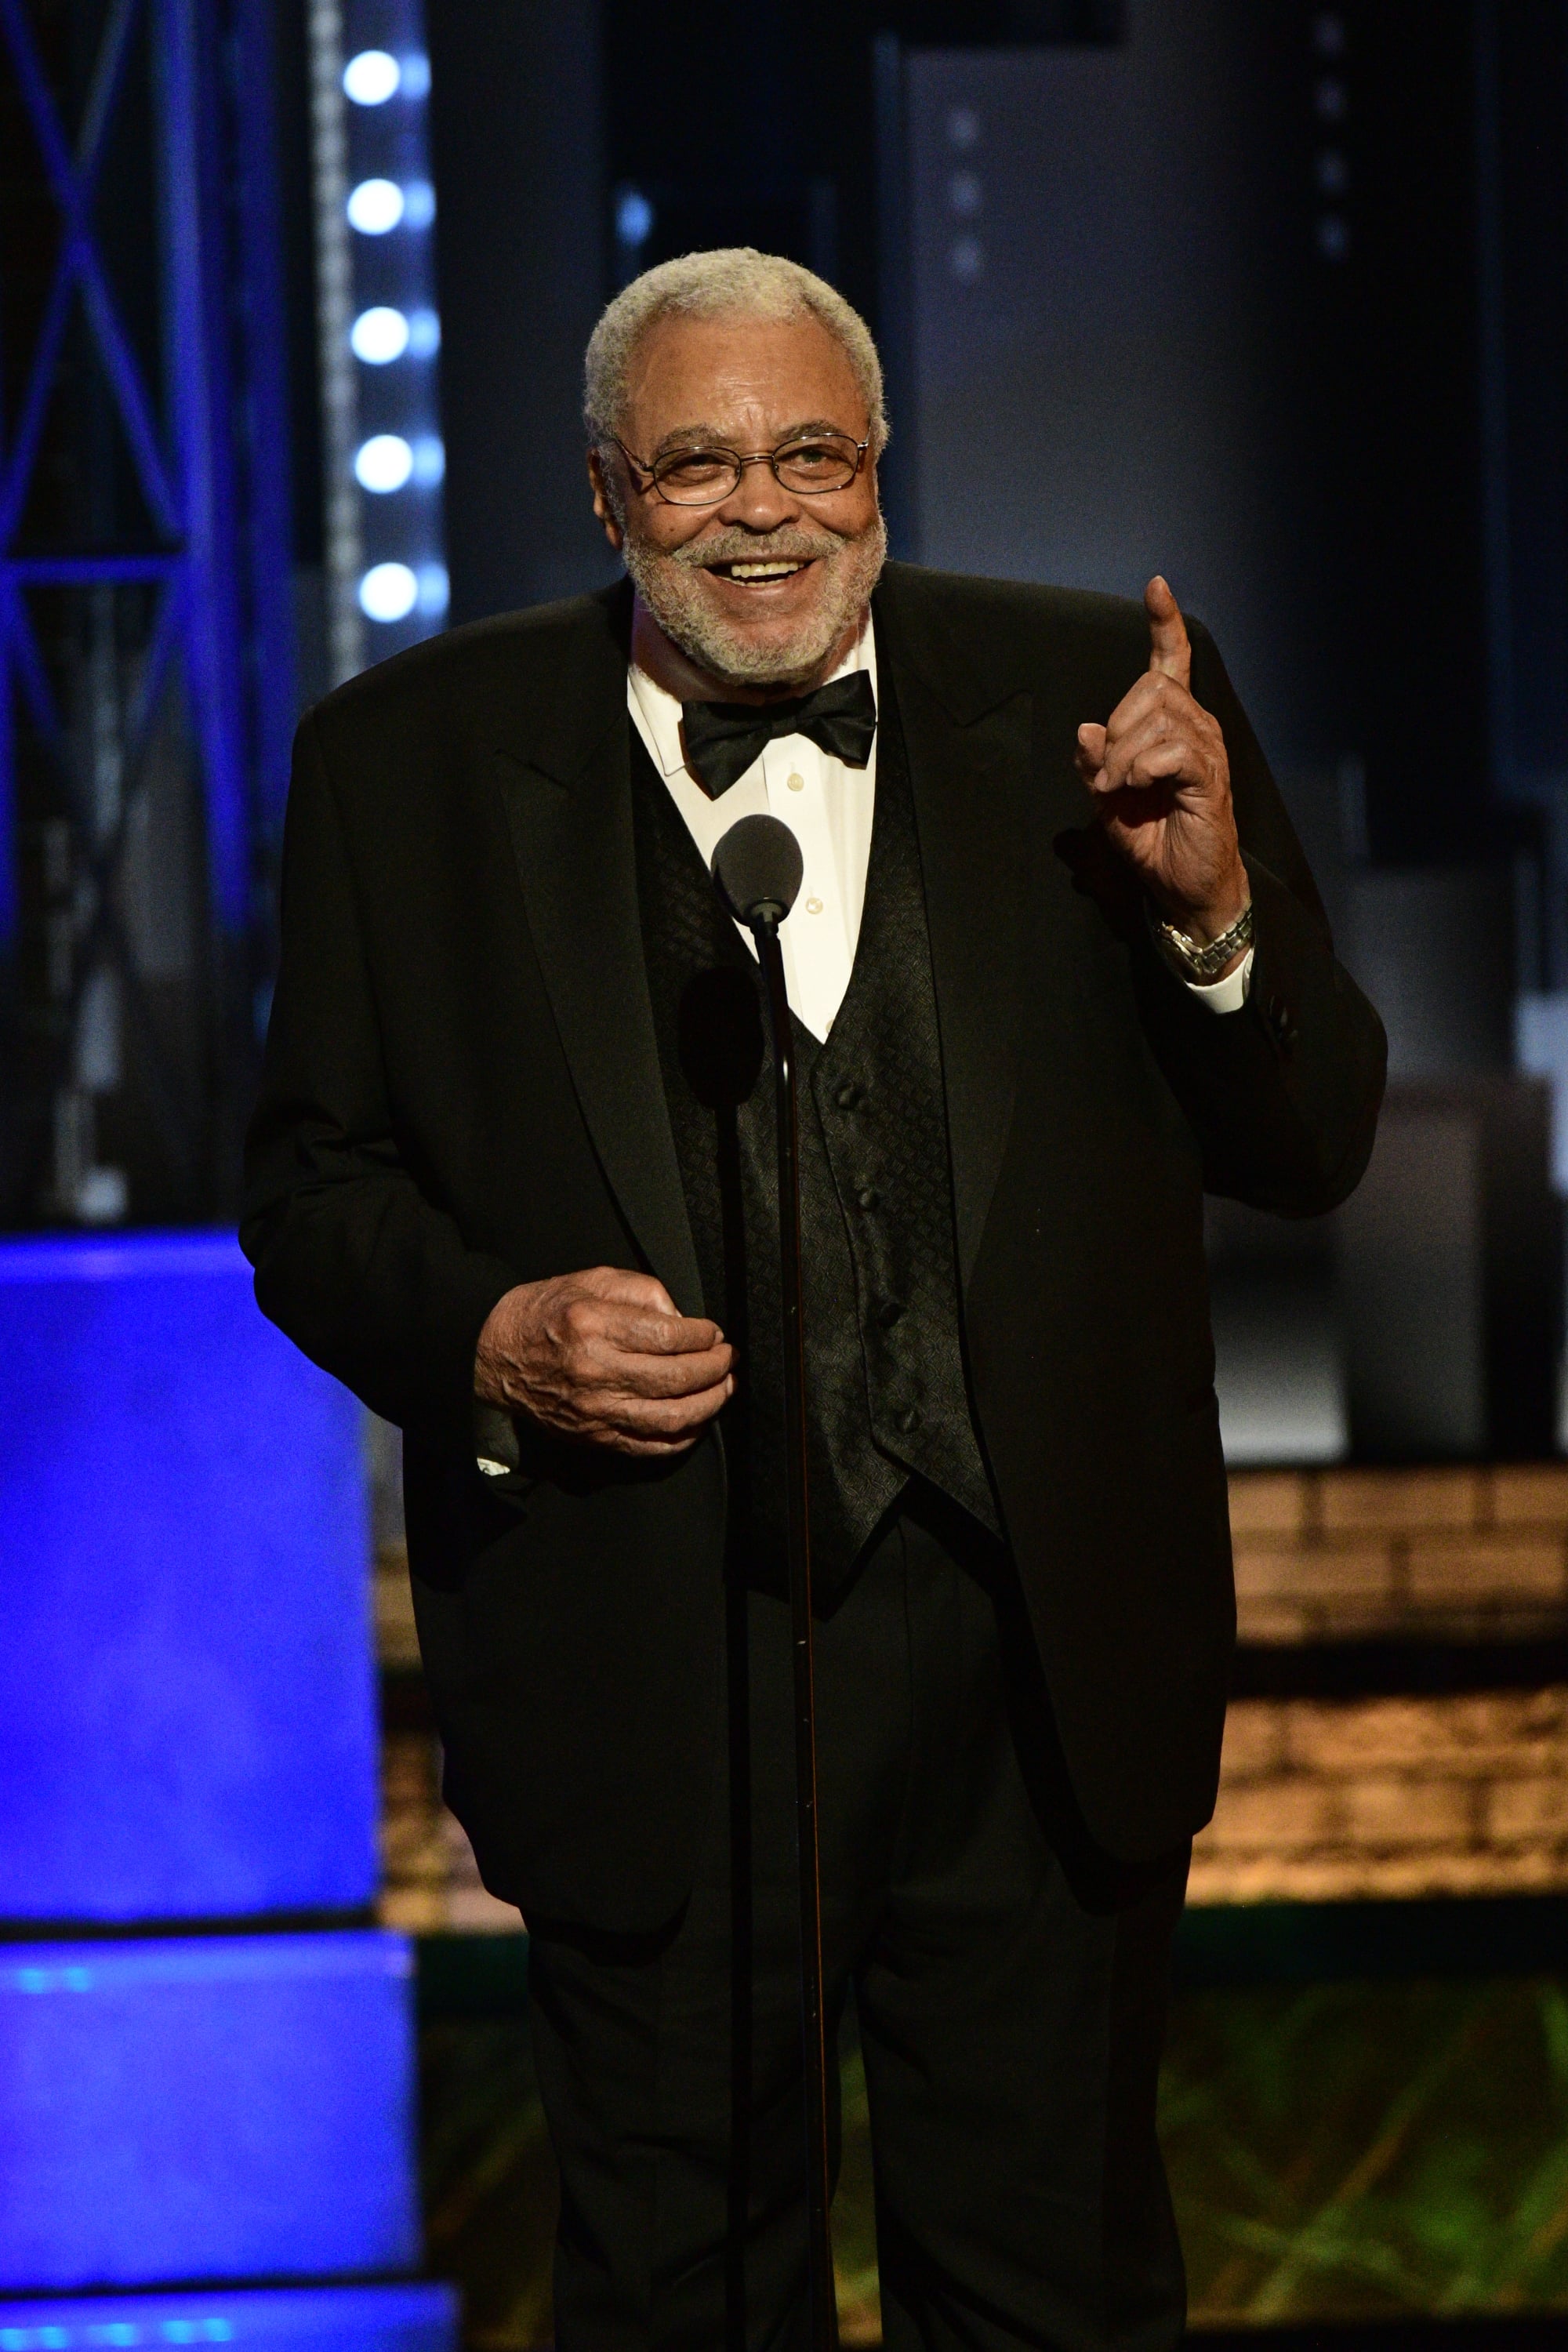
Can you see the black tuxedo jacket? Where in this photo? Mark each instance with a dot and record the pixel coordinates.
(462, 1092)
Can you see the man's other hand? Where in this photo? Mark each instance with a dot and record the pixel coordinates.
(1161, 779)
(604, 1359)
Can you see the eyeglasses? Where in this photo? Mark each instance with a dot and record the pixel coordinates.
(811, 466)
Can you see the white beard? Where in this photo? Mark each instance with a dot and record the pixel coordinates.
(672, 588)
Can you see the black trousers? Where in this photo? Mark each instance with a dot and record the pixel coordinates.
(1011, 1994)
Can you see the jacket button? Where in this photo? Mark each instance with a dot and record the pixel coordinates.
(888, 1312)
(848, 1094)
(909, 1420)
(868, 1196)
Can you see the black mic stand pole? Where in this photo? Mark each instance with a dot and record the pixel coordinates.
(765, 925)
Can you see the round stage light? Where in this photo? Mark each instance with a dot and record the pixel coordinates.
(373, 76)
(435, 592)
(419, 208)
(633, 217)
(424, 334)
(375, 206)
(388, 592)
(378, 336)
(416, 75)
(429, 460)
(383, 463)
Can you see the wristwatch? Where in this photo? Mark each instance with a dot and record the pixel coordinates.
(1202, 963)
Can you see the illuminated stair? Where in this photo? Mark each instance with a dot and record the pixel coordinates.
(205, 2051)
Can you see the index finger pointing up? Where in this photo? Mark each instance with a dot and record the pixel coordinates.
(1169, 648)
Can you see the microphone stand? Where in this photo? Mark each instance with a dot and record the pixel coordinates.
(764, 925)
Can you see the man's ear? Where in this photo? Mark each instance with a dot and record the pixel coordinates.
(604, 504)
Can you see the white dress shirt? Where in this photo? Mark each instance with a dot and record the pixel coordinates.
(826, 805)
(828, 808)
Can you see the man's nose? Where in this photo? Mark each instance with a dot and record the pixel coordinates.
(759, 501)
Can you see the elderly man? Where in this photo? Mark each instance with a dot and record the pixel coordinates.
(1057, 966)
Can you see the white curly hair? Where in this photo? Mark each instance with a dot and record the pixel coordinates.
(731, 282)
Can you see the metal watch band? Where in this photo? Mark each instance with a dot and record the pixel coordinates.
(1206, 963)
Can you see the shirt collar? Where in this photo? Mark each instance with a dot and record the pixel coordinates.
(660, 713)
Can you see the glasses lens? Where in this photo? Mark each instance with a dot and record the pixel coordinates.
(826, 461)
(695, 478)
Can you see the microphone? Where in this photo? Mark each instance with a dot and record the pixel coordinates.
(757, 869)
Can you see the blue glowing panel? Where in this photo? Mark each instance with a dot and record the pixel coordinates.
(420, 2318)
(187, 1712)
(231, 2107)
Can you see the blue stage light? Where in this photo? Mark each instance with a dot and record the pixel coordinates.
(383, 550)
(375, 206)
(424, 334)
(187, 1704)
(633, 217)
(379, 335)
(383, 463)
(371, 77)
(388, 592)
(224, 2106)
(435, 590)
(408, 2316)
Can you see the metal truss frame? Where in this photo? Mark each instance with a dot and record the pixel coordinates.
(209, 454)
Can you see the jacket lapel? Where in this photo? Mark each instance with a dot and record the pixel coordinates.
(967, 731)
(563, 775)
(562, 764)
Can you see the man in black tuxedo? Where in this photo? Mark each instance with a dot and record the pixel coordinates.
(511, 1179)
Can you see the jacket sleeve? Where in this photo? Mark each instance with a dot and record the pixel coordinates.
(1283, 1095)
(371, 1278)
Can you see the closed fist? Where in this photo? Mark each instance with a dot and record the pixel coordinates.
(602, 1357)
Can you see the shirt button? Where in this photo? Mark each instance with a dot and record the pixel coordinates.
(868, 1196)
(814, 906)
(796, 783)
(909, 1420)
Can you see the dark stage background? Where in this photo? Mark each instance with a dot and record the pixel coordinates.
(1273, 298)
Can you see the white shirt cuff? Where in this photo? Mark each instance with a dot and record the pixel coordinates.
(496, 1452)
(1226, 995)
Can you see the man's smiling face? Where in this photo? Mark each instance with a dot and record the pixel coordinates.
(767, 589)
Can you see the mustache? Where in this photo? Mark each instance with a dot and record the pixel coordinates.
(734, 546)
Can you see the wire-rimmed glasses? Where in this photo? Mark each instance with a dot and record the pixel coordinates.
(810, 464)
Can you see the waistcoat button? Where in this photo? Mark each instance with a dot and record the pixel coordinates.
(868, 1196)
(848, 1094)
(888, 1312)
(909, 1420)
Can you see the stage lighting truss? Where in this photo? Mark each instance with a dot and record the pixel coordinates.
(379, 331)
(147, 654)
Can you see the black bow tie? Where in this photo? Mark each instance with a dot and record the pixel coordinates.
(722, 738)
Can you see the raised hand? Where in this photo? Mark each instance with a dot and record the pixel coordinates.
(604, 1358)
(1161, 779)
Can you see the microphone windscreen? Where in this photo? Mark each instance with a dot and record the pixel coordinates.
(758, 864)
